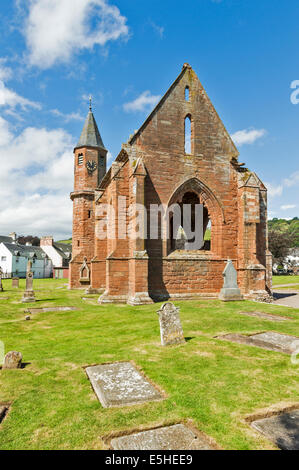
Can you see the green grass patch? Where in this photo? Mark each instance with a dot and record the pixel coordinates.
(277, 280)
(215, 383)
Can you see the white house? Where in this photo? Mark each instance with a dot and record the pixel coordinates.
(14, 258)
(60, 253)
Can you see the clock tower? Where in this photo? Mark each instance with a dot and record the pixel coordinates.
(89, 169)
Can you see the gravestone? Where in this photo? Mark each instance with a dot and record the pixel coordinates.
(1, 286)
(15, 282)
(230, 290)
(170, 325)
(121, 384)
(29, 295)
(12, 360)
(175, 437)
(181, 239)
(269, 340)
(282, 429)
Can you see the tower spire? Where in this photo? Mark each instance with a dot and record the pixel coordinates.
(90, 136)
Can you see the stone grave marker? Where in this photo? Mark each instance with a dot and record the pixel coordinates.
(12, 360)
(170, 325)
(1, 286)
(269, 340)
(121, 384)
(265, 316)
(15, 282)
(175, 437)
(50, 309)
(230, 290)
(282, 429)
(29, 295)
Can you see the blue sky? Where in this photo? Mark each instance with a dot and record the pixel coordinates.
(126, 53)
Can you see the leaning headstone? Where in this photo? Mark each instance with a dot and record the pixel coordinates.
(29, 295)
(230, 290)
(12, 360)
(1, 286)
(15, 282)
(170, 325)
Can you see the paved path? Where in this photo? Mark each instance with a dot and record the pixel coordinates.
(286, 298)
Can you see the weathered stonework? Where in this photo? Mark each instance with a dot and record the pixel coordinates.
(12, 360)
(121, 384)
(29, 295)
(153, 168)
(175, 437)
(230, 290)
(170, 325)
(282, 429)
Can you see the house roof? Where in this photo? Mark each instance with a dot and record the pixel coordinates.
(64, 249)
(26, 251)
(90, 136)
(5, 239)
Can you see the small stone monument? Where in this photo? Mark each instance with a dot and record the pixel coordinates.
(181, 239)
(1, 287)
(15, 282)
(170, 325)
(13, 360)
(230, 290)
(29, 295)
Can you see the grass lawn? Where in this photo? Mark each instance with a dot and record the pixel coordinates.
(215, 383)
(278, 280)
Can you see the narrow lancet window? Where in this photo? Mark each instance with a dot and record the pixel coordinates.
(187, 93)
(188, 135)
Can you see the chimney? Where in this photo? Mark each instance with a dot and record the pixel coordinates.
(47, 241)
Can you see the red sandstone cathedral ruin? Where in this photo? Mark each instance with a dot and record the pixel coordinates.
(162, 166)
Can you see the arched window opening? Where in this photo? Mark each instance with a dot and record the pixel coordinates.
(187, 93)
(190, 230)
(80, 158)
(188, 135)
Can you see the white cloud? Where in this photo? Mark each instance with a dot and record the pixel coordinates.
(144, 102)
(55, 30)
(11, 98)
(35, 181)
(247, 136)
(293, 180)
(274, 190)
(288, 206)
(158, 29)
(5, 72)
(67, 117)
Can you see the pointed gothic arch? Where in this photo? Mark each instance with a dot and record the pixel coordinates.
(213, 209)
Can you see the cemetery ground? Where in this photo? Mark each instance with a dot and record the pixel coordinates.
(212, 382)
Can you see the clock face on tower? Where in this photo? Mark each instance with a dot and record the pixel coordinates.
(91, 166)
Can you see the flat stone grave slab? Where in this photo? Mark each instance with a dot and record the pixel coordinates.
(51, 309)
(121, 384)
(269, 340)
(282, 429)
(265, 316)
(3, 412)
(176, 437)
(4, 298)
